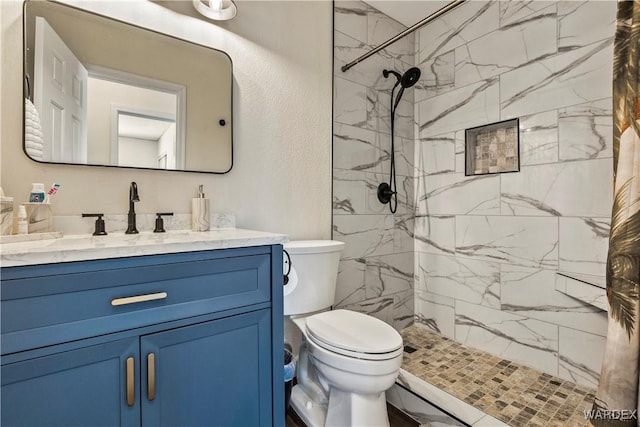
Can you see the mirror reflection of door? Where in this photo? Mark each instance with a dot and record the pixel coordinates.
(96, 115)
(142, 111)
(146, 141)
(60, 97)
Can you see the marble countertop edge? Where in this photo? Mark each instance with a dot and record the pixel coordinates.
(87, 247)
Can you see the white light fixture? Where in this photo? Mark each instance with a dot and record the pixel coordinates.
(220, 10)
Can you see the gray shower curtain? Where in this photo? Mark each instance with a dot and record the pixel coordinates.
(617, 400)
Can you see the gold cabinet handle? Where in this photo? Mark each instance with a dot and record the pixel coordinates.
(138, 298)
(130, 382)
(151, 376)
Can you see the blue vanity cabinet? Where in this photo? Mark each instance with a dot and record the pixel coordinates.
(210, 374)
(81, 387)
(204, 350)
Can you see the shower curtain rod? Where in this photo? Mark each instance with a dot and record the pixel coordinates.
(409, 30)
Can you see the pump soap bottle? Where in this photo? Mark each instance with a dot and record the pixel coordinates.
(200, 212)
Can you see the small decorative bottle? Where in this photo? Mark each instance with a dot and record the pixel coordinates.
(37, 193)
(200, 212)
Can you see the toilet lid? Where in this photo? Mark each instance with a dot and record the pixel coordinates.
(353, 332)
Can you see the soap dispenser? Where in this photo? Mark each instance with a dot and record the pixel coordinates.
(200, 211)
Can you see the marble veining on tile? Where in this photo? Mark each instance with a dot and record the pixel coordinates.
(437, 76)
(539, 138)
(403, 306)
(388, 274)
(469, 106)
(359, 149)
(457, 28)
(574, 16)
(534, 293)
(521, 42)
(526, 241)
(586, 131)
(474, 281)
(515, 394)
(436, 154)
(508, 335)
(585, 245)
(376, 268)
(512, 11)
(455, 193)
(558, 189)
(561, 80)
(436, 312)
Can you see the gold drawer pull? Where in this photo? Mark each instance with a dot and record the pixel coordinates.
(130, 382)
(151, 376)
(138, 298)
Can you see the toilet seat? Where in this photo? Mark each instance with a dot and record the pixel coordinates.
(354, 334)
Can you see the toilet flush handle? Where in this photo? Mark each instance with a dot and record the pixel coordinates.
(288, 263)
(290, 280)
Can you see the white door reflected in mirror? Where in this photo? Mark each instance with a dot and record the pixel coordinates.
(60, 97)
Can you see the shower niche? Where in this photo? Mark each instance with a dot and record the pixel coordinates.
(493, 148)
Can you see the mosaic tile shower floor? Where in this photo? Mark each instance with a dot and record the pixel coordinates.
(512, 393)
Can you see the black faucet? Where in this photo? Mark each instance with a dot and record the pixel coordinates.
(131, 217)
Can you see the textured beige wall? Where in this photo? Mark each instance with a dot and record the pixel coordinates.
(281, 179)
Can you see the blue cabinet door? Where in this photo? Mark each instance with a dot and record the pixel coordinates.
(83, 387)
(215, 373)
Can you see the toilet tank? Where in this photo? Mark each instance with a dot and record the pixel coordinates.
(312, 280)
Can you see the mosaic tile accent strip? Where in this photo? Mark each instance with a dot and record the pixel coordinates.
(493, 148)
(512, 393)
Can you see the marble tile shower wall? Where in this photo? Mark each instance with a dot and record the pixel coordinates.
(376, 273)
(488, 247)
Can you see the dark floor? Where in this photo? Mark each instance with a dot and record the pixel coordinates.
(397, 418)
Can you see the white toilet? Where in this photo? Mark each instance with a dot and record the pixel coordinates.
(347, 360)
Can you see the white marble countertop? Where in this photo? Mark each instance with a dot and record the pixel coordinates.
(119, 245)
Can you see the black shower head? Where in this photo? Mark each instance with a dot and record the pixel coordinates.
(386, 73)
(410, 77)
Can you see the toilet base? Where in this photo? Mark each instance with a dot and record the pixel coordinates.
(312, 414)
(345, 409)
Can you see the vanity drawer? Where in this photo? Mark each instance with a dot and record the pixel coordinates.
(103, 296)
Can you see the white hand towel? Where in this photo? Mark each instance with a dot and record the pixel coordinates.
(33, 141)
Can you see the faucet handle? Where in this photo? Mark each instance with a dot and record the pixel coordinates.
(160, 222)
(99, 226)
